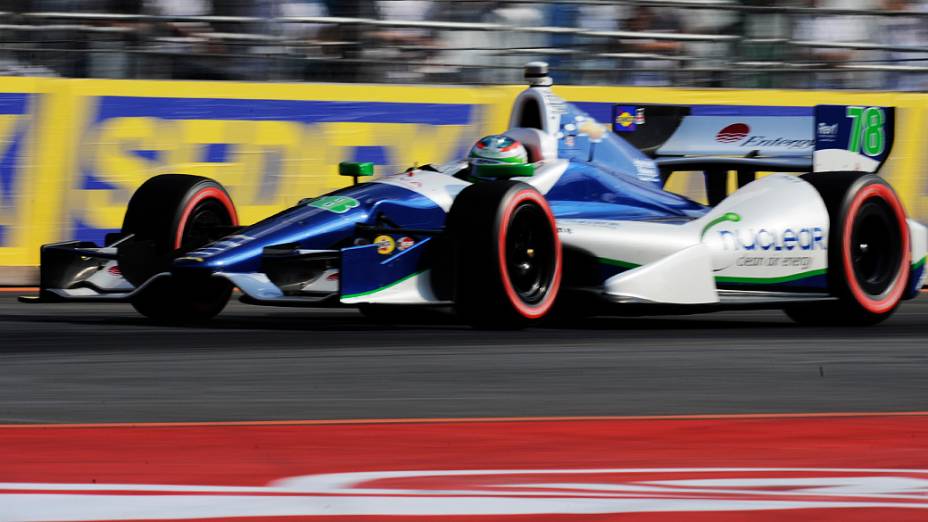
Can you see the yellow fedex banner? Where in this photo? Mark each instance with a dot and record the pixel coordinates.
(21, 167)
(269, 144)
(16, 140)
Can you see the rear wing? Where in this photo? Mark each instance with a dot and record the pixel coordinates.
(820, 138)
(717, 139)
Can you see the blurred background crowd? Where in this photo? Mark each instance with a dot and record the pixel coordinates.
(859, 44)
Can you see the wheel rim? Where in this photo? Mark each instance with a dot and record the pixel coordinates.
(876, 247)
(202, 223)
(530, 260)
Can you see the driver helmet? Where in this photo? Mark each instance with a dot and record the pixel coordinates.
(498, 148)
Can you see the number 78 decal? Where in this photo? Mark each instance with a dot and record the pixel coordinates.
(867, 130)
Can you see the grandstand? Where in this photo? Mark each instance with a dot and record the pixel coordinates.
(857, 44)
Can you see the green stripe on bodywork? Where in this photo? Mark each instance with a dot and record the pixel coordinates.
(770, 280)
(723, 279)
(382, 288)
(728, 216)
(920, 263)
(615, 262)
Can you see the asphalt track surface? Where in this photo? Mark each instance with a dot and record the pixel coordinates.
(103, 363)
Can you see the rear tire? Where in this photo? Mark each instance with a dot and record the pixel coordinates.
(172, 214)
(868, 251)
(506, 254)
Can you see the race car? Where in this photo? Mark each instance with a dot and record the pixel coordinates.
(557, 217)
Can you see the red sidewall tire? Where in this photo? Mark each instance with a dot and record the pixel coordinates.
(160, 210)
(527, 310)
(160, 215)
(488, 222)
(204, 194)
(890, 299)
(865, 296)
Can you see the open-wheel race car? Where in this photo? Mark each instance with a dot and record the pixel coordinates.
(557, 217)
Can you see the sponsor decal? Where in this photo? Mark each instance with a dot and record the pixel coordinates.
(625, 119)
(740, 133)
(728, 216)
(639, 116)
(733, 133)
(219, 246)
(788, 248)
(827, 132)
(802, 262)
(557, 104)
(599, 223)
(385, 244)
(336, 204)
(763, 239)
(764, 141)
(404, 243)
(852, 137)
(647, 170)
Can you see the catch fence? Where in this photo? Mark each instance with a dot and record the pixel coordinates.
(659, 43)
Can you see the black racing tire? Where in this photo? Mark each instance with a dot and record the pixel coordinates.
(172, 214)
(506, 254)
(177, 300)
(868, 251)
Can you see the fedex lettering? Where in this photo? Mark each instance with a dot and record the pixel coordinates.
(806, 238)
(15, 141)
(268, 153)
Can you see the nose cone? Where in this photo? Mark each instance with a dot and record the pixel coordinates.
(307, 226)
(324, 223)
(220, 254)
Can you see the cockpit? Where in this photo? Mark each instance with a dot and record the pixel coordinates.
(551, 129)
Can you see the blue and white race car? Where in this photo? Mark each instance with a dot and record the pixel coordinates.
(582, 225)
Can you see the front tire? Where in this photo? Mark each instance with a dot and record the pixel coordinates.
(868, 251)
(169, 215)
(176, 300)
(506, 253)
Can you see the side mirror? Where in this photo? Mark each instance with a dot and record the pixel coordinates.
(504, 170)
(355, 170)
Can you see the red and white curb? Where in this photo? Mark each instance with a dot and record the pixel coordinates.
(848, 468)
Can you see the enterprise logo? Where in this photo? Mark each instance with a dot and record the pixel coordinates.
(733, 133)
(740, 133)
